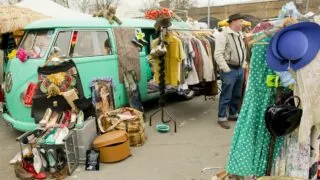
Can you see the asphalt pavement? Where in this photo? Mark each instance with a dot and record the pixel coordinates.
(199, 143)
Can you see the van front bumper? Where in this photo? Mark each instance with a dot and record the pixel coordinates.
(21, 126)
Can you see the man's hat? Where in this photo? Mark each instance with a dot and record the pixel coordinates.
(234, 17)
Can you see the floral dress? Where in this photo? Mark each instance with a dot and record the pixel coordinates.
(300, 153)
(250, 143)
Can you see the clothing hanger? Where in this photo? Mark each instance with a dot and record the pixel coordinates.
(270, 32)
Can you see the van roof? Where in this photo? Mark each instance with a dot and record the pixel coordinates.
(91, 22)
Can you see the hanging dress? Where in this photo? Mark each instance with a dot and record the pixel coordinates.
(299, 156)
(250, 143)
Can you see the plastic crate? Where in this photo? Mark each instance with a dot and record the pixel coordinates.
(85, 137)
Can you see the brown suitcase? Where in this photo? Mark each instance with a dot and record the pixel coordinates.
(114, 146)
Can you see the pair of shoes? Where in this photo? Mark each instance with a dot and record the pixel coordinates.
(53, 120)
(73, 120)
(44, 159)
(17, 157)
(52, 160)
(61, 134)
(224, 124)
(30, 169)
(66, 120)
(37, 164)
(62, 174)
(51, 137)
(44, 121)
(21, 173)
(61, 159)
(80, 120)
(233, 117)
(32, 136)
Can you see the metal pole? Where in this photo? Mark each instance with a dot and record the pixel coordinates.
(208, 14)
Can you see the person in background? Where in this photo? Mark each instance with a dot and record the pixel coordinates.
(107, 47)
(230, 55)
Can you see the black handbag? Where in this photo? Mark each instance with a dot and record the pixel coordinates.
(62, 77)
(282, 119)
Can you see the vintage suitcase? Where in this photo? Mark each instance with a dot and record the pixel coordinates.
(114, 146)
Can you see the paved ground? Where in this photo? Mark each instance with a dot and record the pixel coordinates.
(199, 143)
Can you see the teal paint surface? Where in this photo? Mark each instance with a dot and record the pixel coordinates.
(89, 67)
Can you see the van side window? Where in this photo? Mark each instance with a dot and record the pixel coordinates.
(92, 43)
(62, 43)
(36, 43)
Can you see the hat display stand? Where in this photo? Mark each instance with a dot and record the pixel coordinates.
(162, 86)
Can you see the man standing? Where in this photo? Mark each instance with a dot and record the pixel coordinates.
(230, 55)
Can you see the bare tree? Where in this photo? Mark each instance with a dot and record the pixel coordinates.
(150, 4)
(103, 4)
(10, 1)
(83, 5)
(182, 4)
(64, 3)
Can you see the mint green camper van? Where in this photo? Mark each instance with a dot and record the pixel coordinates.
(90, 57)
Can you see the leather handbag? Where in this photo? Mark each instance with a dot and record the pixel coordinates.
(282, 119)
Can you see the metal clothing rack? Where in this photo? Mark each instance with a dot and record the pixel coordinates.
(162, 87)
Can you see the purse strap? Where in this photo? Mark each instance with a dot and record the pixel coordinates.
(293, 97)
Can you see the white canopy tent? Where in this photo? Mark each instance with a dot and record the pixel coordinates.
(50, 8)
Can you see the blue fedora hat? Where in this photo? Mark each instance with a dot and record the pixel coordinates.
(294, 46)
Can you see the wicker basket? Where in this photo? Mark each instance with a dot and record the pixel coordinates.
(137, 139)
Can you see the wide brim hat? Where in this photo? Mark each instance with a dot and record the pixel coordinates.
(234, 17)
(294, 46)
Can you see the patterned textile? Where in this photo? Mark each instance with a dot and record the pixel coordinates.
(298, 160)
(250, 143)
(63, 80)
(128, 53)
(299, 156)
(261, 27)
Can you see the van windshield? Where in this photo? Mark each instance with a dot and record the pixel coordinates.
(36, 43)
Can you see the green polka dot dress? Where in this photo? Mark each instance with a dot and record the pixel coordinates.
(250, 143)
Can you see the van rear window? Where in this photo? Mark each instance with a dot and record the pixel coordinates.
(36, 43)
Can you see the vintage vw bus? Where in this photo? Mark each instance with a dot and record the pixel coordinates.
(89, 54)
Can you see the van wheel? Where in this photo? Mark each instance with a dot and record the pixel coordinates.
(189, 95)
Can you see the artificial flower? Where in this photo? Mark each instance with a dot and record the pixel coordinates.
(22, 55)
(12, 54)
(57, 78)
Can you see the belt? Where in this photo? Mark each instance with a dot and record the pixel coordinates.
(234, 66)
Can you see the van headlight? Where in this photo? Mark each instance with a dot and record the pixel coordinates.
(8, 82)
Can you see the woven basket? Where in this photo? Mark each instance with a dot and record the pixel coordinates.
(134, 127)
(137, 139)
